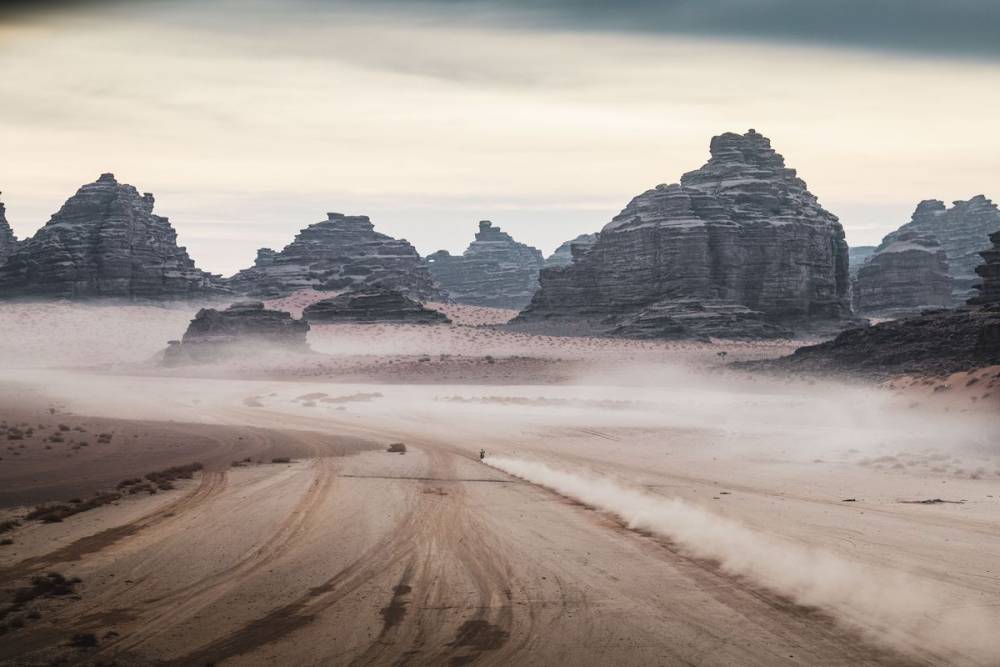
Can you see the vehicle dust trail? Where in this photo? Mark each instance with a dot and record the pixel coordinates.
(901, 609)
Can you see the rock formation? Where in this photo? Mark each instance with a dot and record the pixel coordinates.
(372, 304)
(564, 254)
(495, 270)
(105, 241)
(8, 242)
(741, 231)
(218, 334)
(698, 320)
(962, 231)
(989, 288)
(906, 274)
(339, 252)
(857, 255)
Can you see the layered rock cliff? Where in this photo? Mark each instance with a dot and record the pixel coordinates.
(8, 242)
(105, 241)
(741, 231)
(338, 253)
(962, 231)
(495, 270)
(218, 334)
(370, 305)
(906, 274)
(989, 272)
(857, 255)
(564, 254)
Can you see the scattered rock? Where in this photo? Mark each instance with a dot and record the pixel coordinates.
(741, 231)
(105, 241)
(341, 252)
(494, 271)
(217, 334)
(372, 304)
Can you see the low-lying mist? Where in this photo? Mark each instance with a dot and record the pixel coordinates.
(889, 605)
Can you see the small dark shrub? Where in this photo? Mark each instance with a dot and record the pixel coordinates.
(397, 448)
(281, 459)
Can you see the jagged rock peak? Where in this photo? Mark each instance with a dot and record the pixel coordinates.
(8, 242)
(341, 252)
(494, 271)
(963, 231)
(571, 249)
(742, 230)
(989, 271)
(907, 273)
(105, 241)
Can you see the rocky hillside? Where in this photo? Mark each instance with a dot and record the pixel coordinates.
(962, 231)
(742, 230)
(989, 272)
(340, 252)
(8, 242)
(564, 253)
(105, 241)
(905, 275)
(495, 270)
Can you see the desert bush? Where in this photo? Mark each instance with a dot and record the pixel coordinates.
(176, 472)
(397, 448)
(8, 525)
(281, 459)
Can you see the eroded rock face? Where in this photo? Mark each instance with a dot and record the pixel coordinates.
(8, 242)
(989, 271)
(219, 334)
(105, 241)
(565, 253)
(372, 305)
(742, 230)
(495, 270)
(962, 231)
(906, 274)
(340, 252)
(857, 255)
(698, 320)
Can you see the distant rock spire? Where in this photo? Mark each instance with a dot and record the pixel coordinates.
(8, 242)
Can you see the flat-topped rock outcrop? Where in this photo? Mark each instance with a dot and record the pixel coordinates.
(906, 274)
(105, 241)
(565, 253)
(219, 334)
(962, 231)
(369, 305)
(742, 230)
(8, 242)
(495, 270)
(341, 252)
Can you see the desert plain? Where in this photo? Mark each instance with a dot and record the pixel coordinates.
(639, 503)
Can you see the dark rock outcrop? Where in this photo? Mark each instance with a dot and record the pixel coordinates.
(989, 288)
(372, 305)
(935, 343)
(105, 241)
(339, 252)
(699, 320)
(906, 274)
(565, 253)
(742, 230)
(219, 334)
(962, 231)
(857, 255)
(495, 270)
(8, 242)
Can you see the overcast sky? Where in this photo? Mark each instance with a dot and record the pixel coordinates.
(249, 119)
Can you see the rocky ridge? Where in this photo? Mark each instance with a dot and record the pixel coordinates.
(962, 231)
(219, 334)
(565, 253)
(743, 230)
(8, 242)
(906, 274)
(338, 253)
(105, 241)
(369, 305)
(989, 271)
(494, 271)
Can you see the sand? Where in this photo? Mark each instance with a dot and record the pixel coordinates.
(348, 554)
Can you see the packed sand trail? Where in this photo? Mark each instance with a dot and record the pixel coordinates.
(651, 509)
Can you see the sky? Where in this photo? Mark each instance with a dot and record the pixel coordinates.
(250, 119)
